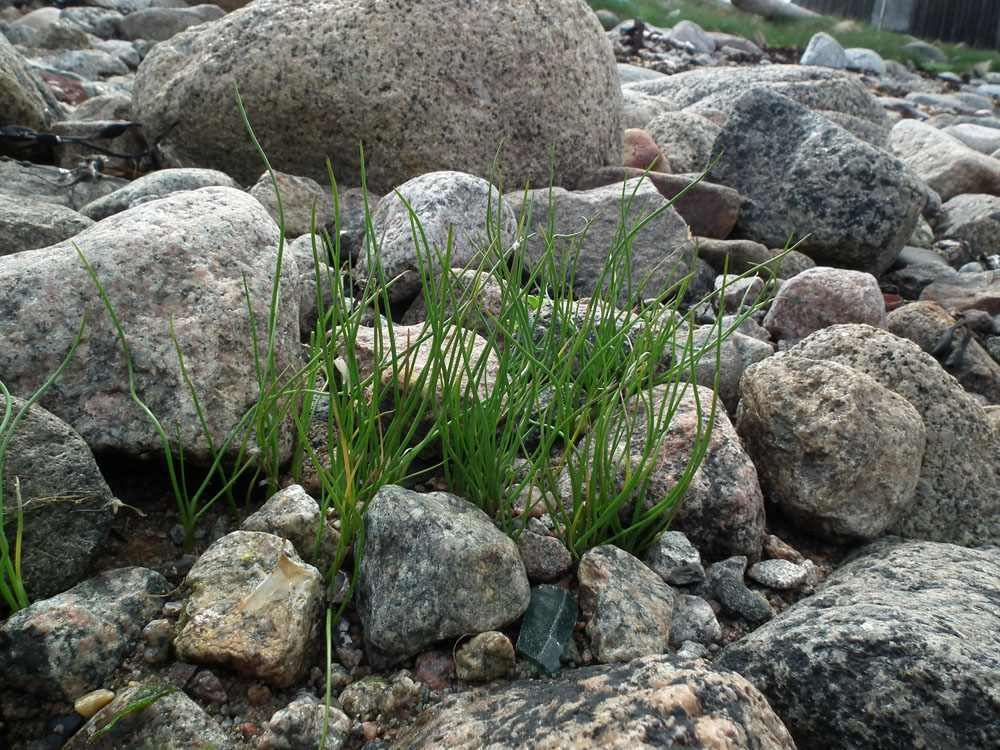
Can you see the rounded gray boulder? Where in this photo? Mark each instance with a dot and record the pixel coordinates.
(423, 86)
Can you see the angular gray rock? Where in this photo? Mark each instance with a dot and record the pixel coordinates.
(898, 648)
(798, 174)
(839, 452)
(172, 721)
(433, 566)
(448, 108)
(837, 95)
(254, 606)
(65, 646)
(27, 224)
(820, 297)
(443, 202)
(686, 138)
(45, 184)
(67, 508)
(656, 247)
(958, 492)
(778, 574)
(674, 559)
(158, 184)
(693, 620)
(973, 218)
(646, 704)
(300, 725)
(293, 515)
(183, 256)
(298, 194)
(944, 162)
(825, 52)
(627, 606)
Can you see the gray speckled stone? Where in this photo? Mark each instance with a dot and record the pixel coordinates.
(186, 256)
(824, 51)
(647, 704)
(442, 201)
(531, 75)
(627, 606)
(898, 648)
(22, 91)
(300, 725)
(740, 601)
(958, 493)
(839, 452)
(157, 184)
(65, 646)
(778, 574)
(294, 515)
(693, 620)
(686, 138)
(159, 24)
(45, 184)
(27, 224)
(433, 566)
(171, 722)
(944, 162)
(66, 504)
(674, 559)
(798, 173)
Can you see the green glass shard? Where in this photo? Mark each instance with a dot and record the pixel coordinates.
(547, 626)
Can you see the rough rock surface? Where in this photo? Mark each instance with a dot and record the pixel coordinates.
(293, 515)
(820, 297)
(686, 138)
(958, 493)
(254, 607)
(444, 202)
(798, 173)
(447, 108)
(183, 256)
(65, 646)
(300, 725)
(25, 97)
(656, 247)
(972, 218)
(627, 606)
(45, 184)
(67, 506)
(157, 184)
(171, 722)
(925, 323)
(646, 704)
(27, 224)
(839, 452)
(944, 162)
(898, 648)
(433, 566)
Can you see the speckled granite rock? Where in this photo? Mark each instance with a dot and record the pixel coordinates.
(798, 173)
(254, 607)
(184, 256)
(171, 722)
(158, 184)
(66, 504)
(448, 108)
(627, 606)
(646, 704)
(839, 452)
(958, 493)
(898, 648)
(433, 566)
(300, 725)
(65, 646)
(27, 224)
(293, 515)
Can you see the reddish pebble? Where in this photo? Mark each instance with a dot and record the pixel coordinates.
(250, 730)
(370, 730)
(258, 694)
(434, 669)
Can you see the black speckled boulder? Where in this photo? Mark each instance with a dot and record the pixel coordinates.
(645, 704)
(799, 173)
(899, 648)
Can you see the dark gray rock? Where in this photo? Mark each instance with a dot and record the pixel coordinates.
(254, 607)
(433, 566)
(45, 184)
(839, 452)
(898, 648)
(740, 601)
(185, 256)
(26, 98)
(67, 507)
(958, 493)
(158, 184)
(974, 219)
(798, 173)
(627, 606)
(27, 225)
(656, 248)
(89, 64)
(65, 646)
(735, 353)
(172, 721)
(693, 620)
(963, 291)
(646, 704)
(448, 108)
(545, 557)
(101, 22)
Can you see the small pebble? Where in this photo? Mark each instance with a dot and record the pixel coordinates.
(258, 694)
(89, 704)
(778, 574)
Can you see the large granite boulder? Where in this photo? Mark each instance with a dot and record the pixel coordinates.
(799, 174)
(182, 259)
(898, 648)
(422, 86)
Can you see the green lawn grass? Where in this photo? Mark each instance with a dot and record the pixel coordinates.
(713, 15)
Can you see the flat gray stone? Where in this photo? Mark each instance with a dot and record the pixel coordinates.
(28, 225)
